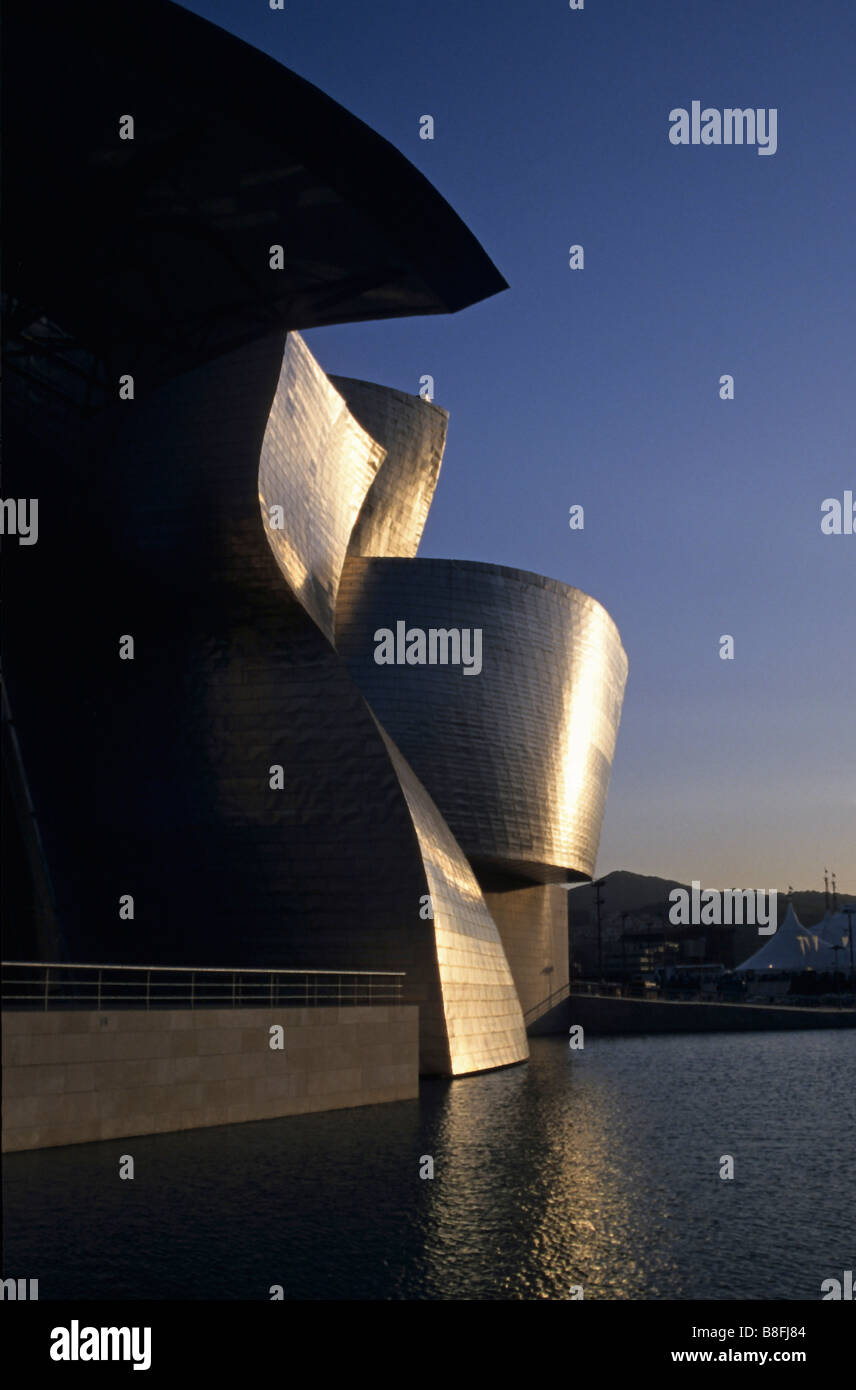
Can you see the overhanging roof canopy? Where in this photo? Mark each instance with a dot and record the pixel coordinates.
(158, 246)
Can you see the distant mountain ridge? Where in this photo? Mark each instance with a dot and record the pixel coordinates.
(646, 894)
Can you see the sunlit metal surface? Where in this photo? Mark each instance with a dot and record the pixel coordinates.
(413, 433)
(336, 484)
(317, 464)
(504, 772)
(517, 757)
(236, 673)
(482, 1023)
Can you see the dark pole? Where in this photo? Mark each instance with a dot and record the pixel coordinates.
(598, 886)
(835, 950)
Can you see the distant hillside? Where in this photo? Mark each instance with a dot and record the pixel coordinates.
(645, 894)
(635, 906)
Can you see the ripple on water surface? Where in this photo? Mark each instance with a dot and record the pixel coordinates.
(597, 1168)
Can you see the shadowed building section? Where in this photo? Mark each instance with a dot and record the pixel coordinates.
(231, 679)
(167, 237)
(151, 777)
(228, 776)
(533, 926)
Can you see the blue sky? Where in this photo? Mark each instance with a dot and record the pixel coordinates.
(601, 387)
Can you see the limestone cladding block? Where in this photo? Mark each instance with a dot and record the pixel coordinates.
(72, 1078)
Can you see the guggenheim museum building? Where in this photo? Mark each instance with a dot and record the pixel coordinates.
(317, 750)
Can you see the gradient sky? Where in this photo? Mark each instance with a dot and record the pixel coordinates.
(601, 387)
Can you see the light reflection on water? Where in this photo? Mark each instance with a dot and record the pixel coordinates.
(598, 1168)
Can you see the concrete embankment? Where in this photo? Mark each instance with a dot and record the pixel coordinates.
(605, 1014)
(73, 1077)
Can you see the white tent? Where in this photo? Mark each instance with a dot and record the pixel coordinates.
(793, 947)
(834, 930)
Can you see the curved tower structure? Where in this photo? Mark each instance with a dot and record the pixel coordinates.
(328, 488)
(193, 715)
(502, 745)
(516, 754)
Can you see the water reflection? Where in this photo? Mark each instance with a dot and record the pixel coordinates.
(598, 1168)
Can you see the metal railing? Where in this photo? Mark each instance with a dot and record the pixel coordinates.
(545, 1005)
(28, 984)
(606, 989)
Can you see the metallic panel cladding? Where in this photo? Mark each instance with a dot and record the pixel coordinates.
(321, 466)
(235, 671)
(413, 433)
(482, 1024)
(533, 926)
(151, 777)
(508, 768)
(517, 757)
(318, 464)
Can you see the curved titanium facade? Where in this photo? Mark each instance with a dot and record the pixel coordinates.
(472, 785)
(331, 482)
(317, 466)
(533, 925)
(481, 1023)
(518, 756)
(228, 771)
(152, 776)
(413, 433)
(507, 767)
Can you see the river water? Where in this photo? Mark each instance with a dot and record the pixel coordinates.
(598, 1169)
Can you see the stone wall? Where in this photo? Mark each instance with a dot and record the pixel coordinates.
(72, 1077)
